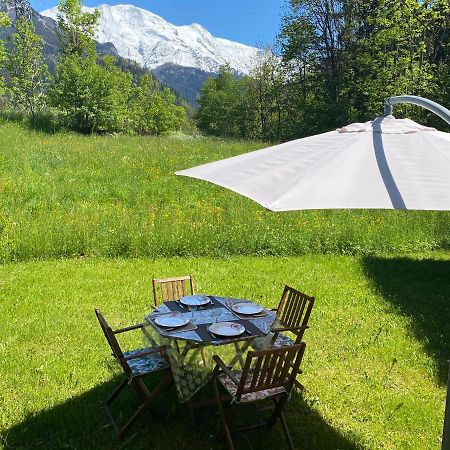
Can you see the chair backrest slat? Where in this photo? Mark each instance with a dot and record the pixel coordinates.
(256, 370)
(263, 372)
(112, 341)
(299, 313)
(169, 291)
(294, 310)
(174, 288)
(278, 374)
(272, 368)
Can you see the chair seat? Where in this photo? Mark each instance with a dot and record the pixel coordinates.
(146, 364)
(228, 384)
(282, 340)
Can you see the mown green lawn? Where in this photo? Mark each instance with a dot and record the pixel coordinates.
(374, 369)
(67, 195)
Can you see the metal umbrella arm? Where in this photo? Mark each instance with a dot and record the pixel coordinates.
(434, 107)
(444, 114)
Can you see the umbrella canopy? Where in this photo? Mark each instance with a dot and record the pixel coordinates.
(387, 163)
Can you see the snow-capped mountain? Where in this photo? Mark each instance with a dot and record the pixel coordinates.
(151, 41)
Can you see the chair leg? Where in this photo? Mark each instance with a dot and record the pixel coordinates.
(279, 403)
(107, 402)
(140, 389)
(116, 392)
(133, 418)
(223, 419)
(286, 431)
(149, 399)
(203, 357)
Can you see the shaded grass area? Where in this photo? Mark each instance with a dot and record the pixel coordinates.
(372, 381)
(66, 195)
(164, 427)
(420, 291)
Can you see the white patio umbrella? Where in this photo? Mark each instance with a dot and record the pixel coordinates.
(384, 164)
(387, 163)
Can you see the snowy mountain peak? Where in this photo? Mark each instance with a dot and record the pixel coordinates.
(151, 41)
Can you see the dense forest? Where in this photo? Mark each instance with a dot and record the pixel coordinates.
(87, 92)
(335, 62)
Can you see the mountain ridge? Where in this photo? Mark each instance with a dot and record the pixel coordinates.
(144, 37)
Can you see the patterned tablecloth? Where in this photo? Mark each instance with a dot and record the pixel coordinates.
(190, 352)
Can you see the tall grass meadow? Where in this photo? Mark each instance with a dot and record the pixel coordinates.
(66, 195)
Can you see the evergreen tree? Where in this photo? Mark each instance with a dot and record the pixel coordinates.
(27, 68)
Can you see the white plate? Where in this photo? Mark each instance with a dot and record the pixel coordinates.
(247, 308)
(195, 300)
(173, 319)
(226, 328)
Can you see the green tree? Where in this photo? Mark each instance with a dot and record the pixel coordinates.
(153, 111)
(438, 54)
(27, 68)
(92, 98)
(269, 93)
(218, 103)
(96, 96)
(348, 55)
(76, 28)
(4, 22)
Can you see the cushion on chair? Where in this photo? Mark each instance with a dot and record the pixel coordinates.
(146, 364)
(282, 340)
(228, 384)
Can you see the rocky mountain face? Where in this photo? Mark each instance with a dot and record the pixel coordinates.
(48, 29)
(181, 58)
(151, 41)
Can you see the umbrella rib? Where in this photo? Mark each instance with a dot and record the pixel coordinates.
(386, 174)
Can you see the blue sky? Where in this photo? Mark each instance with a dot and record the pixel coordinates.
(250, 21)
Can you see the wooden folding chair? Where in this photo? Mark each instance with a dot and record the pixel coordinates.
(136, 364)
(172, 288)
(293, 313)
(267, 375)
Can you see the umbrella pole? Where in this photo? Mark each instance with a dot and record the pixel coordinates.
(446, 433)
(444, 114)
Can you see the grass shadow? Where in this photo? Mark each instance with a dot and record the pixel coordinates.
(80, 423)
(419, 289)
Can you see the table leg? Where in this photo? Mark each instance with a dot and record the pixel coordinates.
(239, 352)
(193, 355)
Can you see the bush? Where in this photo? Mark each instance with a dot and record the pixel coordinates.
(91, 98)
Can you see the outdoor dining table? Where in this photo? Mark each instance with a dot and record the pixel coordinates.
(190, 347)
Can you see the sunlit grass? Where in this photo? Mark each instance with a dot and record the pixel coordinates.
(67, 195)
(372, 377)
